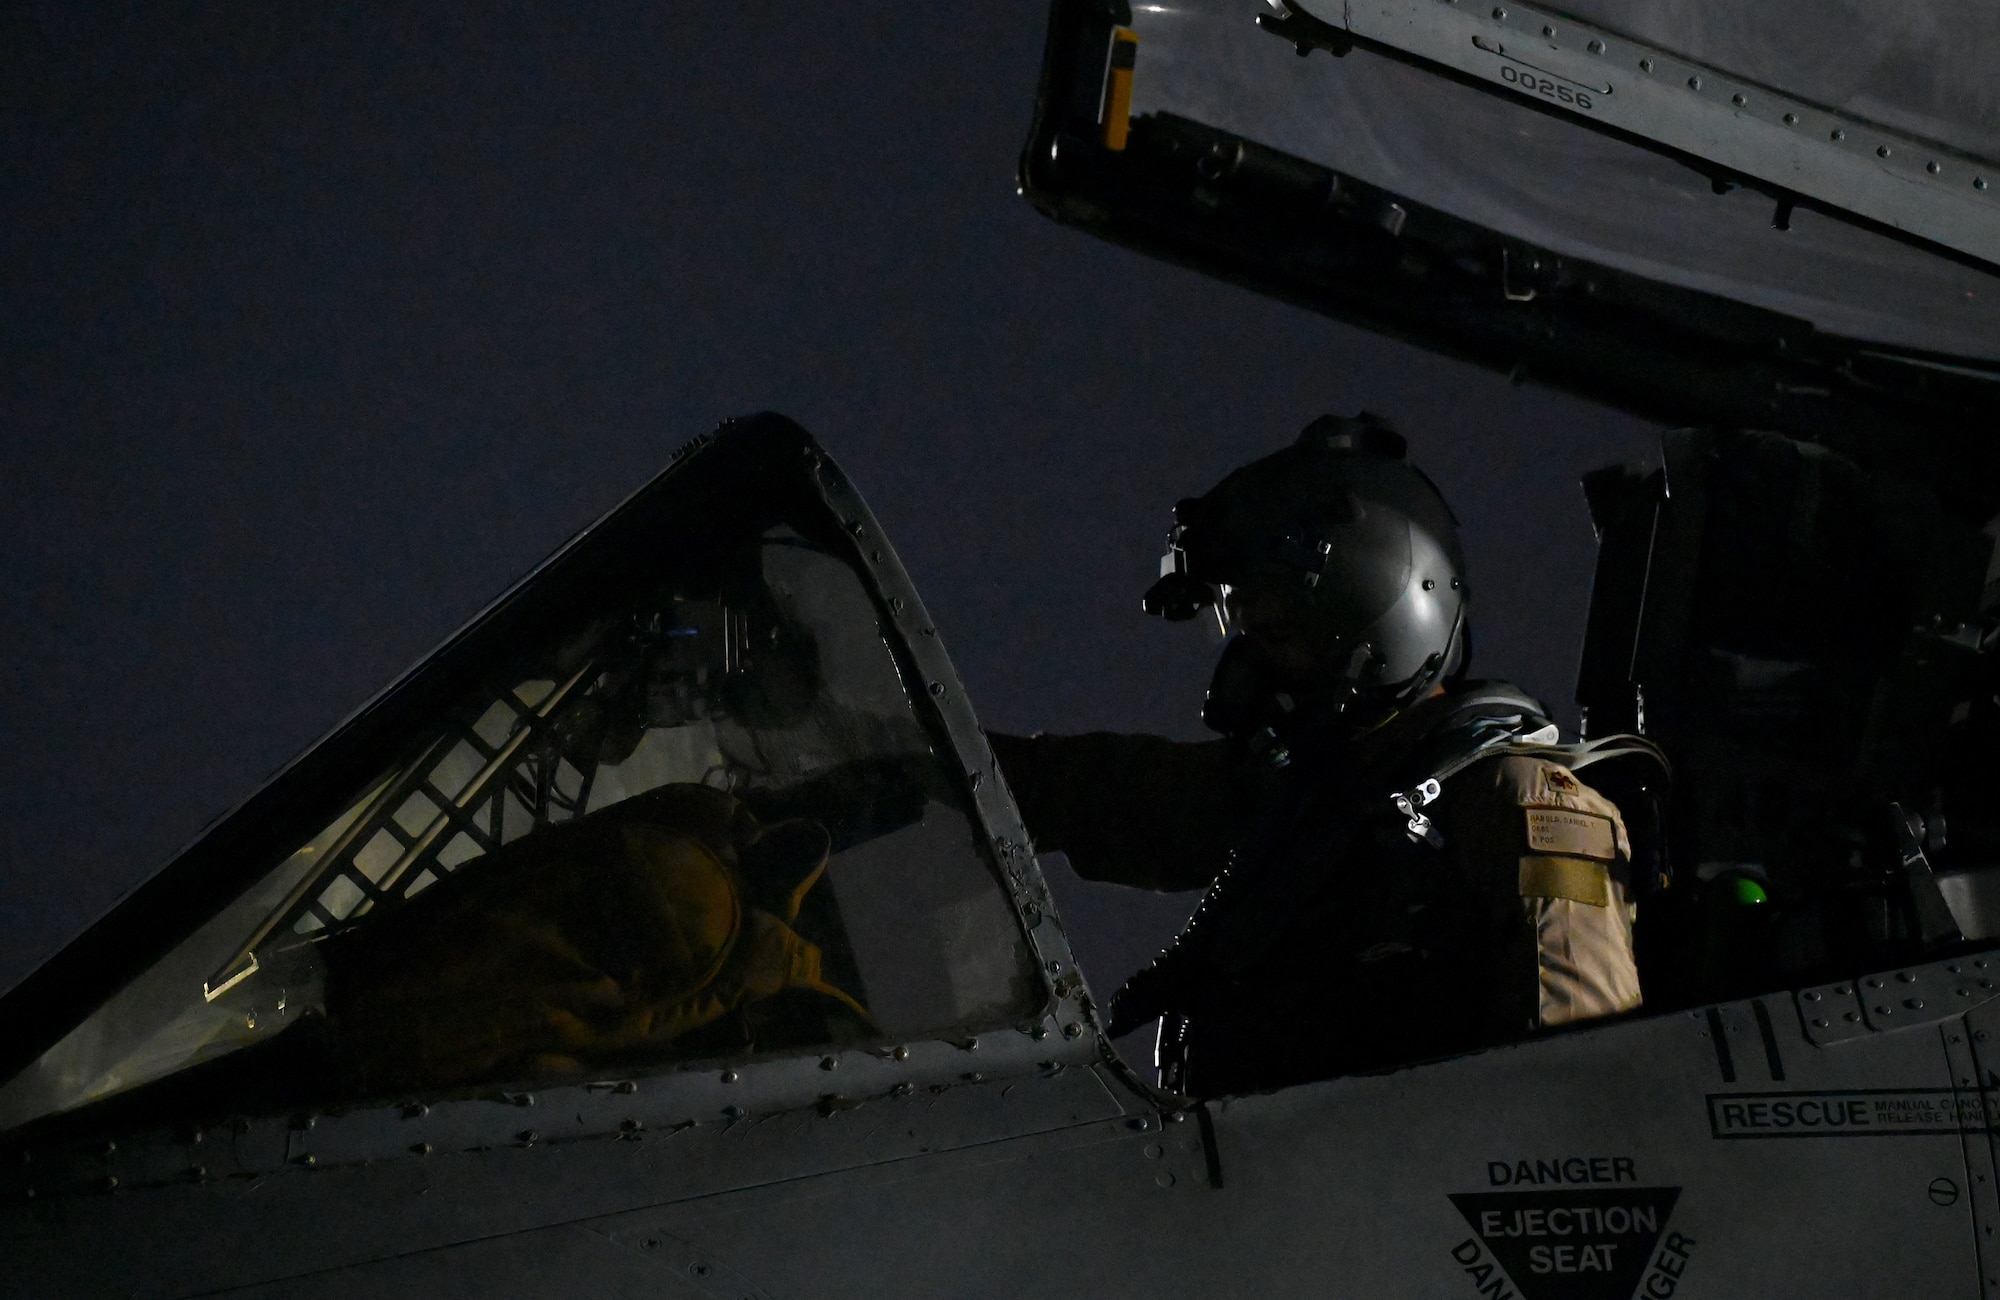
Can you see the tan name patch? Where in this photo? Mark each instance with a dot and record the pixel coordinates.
(1576, 879)
(1577, 834)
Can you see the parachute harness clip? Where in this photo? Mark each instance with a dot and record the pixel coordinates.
(1419, 827)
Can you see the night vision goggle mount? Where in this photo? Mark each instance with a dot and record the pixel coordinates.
(1227, 529)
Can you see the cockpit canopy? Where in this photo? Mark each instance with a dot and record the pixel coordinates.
(673, 799)
(1705, 212)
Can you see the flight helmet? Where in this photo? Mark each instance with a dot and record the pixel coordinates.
(1336, 562)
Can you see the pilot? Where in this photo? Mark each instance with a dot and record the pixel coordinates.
(1400, 864)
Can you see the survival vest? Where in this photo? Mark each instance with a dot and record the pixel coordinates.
(1210, 969)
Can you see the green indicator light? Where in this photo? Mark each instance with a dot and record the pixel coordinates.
(1747, 891)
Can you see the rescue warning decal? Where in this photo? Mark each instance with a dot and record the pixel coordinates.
(1858, 1112)
(1570, 1242)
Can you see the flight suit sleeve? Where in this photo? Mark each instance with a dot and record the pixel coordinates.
(1129, 809)
(1550, 858)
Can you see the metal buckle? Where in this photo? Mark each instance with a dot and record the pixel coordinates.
(1419, 827)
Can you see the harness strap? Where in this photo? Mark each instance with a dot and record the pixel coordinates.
(1507, 744)
(1253, 911)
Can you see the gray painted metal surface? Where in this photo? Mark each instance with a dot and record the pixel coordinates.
(350, 1208)
(1704, 1166)
(1924, 67)
(1919, 186)
(1480, 150)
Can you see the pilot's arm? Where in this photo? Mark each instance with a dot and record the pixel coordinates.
(1551, 858)
(1129, 810)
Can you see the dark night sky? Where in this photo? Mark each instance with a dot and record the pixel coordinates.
(319, 324)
